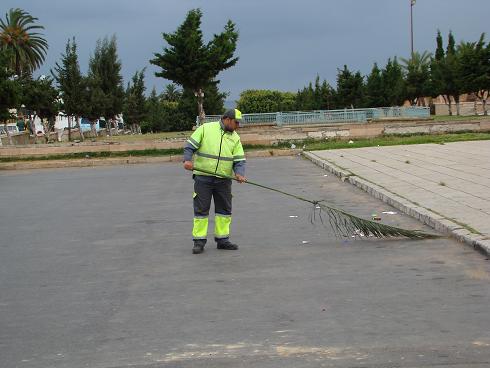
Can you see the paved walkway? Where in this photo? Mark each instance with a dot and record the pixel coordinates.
(445, 185)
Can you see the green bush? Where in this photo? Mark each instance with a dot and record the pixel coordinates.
(262, 101)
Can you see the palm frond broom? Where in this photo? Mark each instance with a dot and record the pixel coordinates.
(342, 222)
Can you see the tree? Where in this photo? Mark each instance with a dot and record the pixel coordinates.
(93, 100)
(474, 69)
(263, 101)
(10, 91)
(105, 68)
(350, 89)
(40, 97)
(417, 77)
(305, 99)
(135, 108)
(18, 33)
(393, 83)
(69, 79)
(171, 93)
(319, 98)
(153, 113)
(444, 73)
(375, 90)
(214, 103)
(327, 94)
(190, 63)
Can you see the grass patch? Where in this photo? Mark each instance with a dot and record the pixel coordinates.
(145, 137)
(458, 118)
(394, 140)
(103, 154)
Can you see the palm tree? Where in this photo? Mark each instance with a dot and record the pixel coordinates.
(417, 76)
(172, 93)
(18, 33)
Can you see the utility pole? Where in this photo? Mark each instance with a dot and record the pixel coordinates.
(412, 3)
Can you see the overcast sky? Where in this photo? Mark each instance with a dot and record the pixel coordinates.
(282, 45)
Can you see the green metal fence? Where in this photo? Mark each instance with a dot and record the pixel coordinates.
(328, 116)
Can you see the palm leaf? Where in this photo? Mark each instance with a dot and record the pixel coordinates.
(344, 223)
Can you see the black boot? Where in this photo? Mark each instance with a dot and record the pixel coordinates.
(227, 245)
(198, 247)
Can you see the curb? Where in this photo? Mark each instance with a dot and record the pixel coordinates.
(432, 219)
(130, 160)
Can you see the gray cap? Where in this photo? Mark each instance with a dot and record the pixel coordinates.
(234, 114)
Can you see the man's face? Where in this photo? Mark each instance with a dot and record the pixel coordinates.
(230, 124)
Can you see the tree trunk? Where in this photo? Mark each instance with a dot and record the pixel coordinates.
(69, 128)
(108, 127)
(116, 126)
(25, 122)
(92, 128)
(45, 125)
(79, 128)
(32, 126)
(481, 95)
(456, 99)
(447, 101)
(484, 102)
(200, 105)
(11, 141)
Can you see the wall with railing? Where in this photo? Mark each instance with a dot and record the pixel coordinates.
(328, 116)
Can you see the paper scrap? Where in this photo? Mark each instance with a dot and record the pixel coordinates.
(292, 216)
(389, 212)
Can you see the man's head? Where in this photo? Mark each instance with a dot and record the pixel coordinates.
(232, 119)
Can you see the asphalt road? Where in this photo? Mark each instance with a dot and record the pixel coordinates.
(96, 271)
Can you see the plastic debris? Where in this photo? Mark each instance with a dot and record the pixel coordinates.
(357, 233)
(293, 216)
(305, 242)
(325, 175)
(375, 217)
(293, 146)
(389, 212)
(351, 142)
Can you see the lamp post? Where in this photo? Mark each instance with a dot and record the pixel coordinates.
(412, 3)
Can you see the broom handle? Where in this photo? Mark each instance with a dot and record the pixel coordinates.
(256, 184)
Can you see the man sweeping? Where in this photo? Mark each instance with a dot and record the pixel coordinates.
(218, 151)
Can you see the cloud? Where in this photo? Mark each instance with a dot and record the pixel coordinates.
(282, 45)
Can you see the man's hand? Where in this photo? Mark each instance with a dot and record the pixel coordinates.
(240, 179)
(188, 165)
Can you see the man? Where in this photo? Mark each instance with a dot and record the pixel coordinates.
(218, 150)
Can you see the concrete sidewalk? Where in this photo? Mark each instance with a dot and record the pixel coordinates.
(446, 186)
